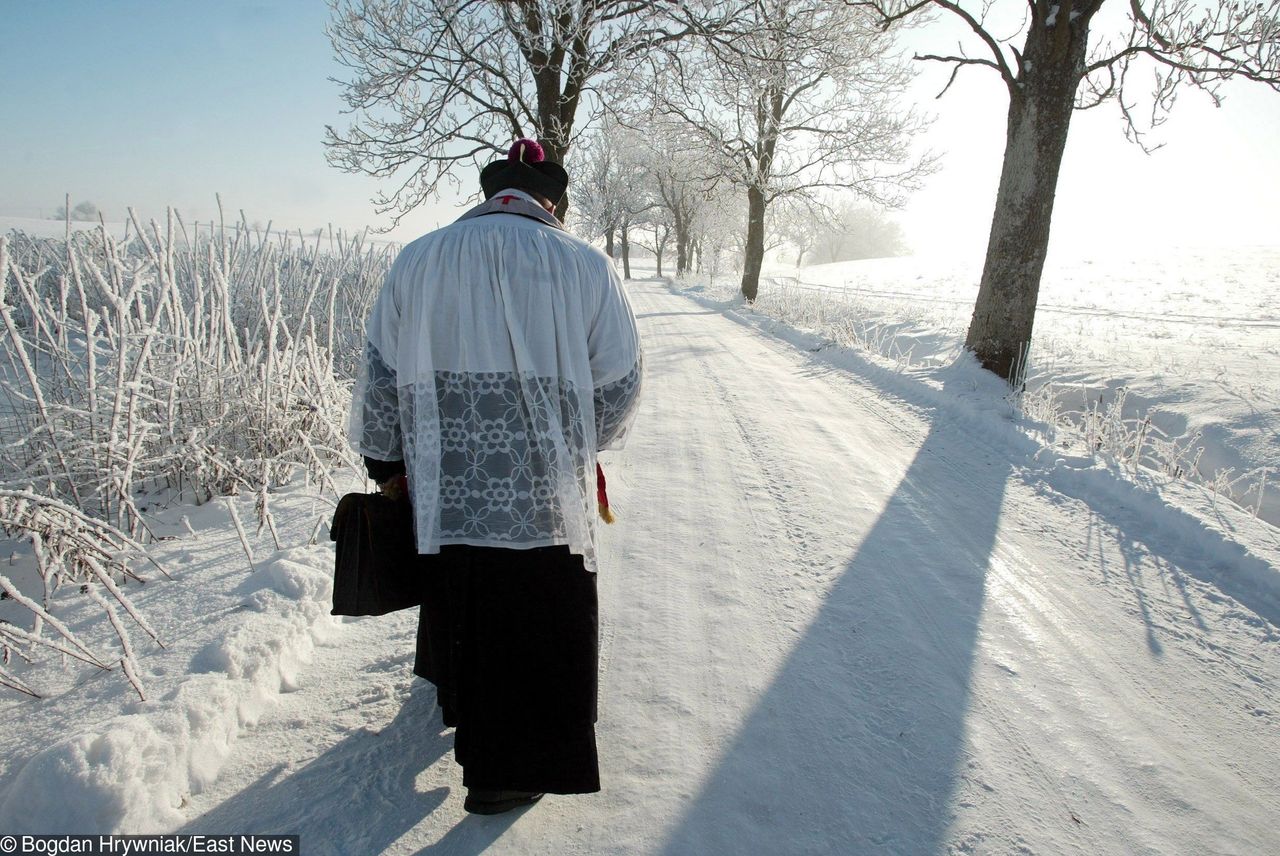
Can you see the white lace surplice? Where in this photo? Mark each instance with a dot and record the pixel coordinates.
(502, 354)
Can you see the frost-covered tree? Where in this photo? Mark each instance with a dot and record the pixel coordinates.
(720, 226)
(824, 230)
(598, 183)
(661, 237)
(803, 224)
(646, 174)
(612, 185)
(1065, 64)
(847, 232)
(435, 84)
(84, 212)
(677, 167)
(805, 98)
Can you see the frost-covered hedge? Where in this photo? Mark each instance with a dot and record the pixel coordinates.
(206, 362)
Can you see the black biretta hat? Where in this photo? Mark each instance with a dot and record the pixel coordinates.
(525, 168)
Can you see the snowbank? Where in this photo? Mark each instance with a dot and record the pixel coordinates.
(90, 757)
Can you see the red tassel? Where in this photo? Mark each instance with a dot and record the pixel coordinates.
(602, 496)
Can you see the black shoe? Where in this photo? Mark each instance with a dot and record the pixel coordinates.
(483, 801)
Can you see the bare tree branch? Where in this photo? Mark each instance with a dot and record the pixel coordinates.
(890, 12)
(435, 84)
(805, 99)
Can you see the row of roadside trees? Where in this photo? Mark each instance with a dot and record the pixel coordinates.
(650, 190)
(702, 123)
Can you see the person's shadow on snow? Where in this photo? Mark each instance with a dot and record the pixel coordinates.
(360, 795)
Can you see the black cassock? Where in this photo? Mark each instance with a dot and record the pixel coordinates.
(510, 638)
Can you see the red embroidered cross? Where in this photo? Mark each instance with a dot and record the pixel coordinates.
(506, 200)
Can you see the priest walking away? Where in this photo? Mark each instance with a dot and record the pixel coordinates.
(502, 355)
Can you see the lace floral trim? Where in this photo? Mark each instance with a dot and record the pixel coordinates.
(614, 407)
(512, 451)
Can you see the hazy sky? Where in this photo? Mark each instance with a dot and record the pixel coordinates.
(156, 103)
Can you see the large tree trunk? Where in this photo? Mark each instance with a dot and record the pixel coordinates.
(608, 242)
(683, 240)
(557, 107)
(659, 246)
(1040, 108)
(754, 253)
(625, 243)
(556, 151)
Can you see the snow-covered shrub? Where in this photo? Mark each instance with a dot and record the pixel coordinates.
(68, 546)
(853, 322)
(206, 362)
(1104, 427)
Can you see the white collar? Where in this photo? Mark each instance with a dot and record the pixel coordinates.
(519, 194)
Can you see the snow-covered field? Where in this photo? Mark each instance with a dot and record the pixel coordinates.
(1189, 338)
(38, 228)
(49, 228)
(849, 607)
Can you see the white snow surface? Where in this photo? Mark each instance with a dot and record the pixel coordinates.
(90, 756)
(50, 228)
(845, 609)
(1191, 335)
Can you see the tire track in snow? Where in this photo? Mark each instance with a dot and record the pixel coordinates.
(785, 492)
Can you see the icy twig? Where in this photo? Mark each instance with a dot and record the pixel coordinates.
(244, 540)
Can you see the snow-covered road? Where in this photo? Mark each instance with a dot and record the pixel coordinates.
(834, 620)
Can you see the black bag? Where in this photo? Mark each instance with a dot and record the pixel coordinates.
(376, 569)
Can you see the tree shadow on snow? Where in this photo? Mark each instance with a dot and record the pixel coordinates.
(357, 797)
(858, 744)
(1163, 548)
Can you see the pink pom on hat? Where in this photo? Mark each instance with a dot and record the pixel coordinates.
(526, 151)
(525, 168)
